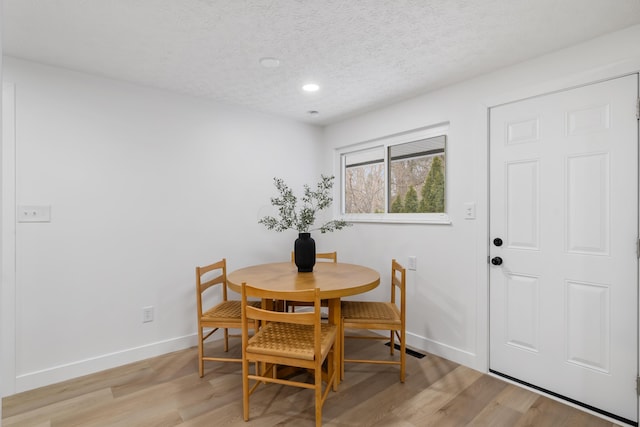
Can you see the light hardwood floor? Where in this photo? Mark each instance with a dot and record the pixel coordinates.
(166, 391)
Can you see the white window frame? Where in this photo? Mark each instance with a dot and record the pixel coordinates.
(384, 143)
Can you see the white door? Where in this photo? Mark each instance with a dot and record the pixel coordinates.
(564, 202)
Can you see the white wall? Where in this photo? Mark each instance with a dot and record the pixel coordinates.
(447, 294)
(143, 186)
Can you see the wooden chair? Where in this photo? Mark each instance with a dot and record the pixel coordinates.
(389, 316)
(287, 339)
(224, 315)
(326, 257)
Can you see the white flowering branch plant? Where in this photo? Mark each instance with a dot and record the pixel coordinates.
(302, 219)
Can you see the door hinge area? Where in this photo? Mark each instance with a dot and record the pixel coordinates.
(638, 385)
(638, 248)
(638, 108)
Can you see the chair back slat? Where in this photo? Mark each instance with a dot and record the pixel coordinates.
(302, 318)
(398, 282)
(331, 256)
(266, 294)
(204, 284)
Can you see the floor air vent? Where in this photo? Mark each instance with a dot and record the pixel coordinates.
(407, 350)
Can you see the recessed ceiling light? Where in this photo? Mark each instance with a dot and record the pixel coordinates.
(310, 87)
(269, 62)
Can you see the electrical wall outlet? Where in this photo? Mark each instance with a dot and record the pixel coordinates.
(413, 261)
(147, 314)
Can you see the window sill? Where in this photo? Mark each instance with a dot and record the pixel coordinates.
(436, 219)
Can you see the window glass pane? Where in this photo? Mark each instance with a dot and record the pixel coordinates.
(364, 181)
(417, 176)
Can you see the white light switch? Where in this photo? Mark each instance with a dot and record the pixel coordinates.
(412, 263)
(470, 210)
(34, 213)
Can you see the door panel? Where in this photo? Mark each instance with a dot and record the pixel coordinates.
(588, 225)
(564, 199)
(522, 311)
(522, 214)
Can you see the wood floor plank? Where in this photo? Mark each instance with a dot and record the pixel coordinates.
(161, 369)
(496, 415)
(59, 392)
(517, 398)
(164, 398)
(42, 415)
(468, 403)
(421, 408)
(546, 412)
(506, 408)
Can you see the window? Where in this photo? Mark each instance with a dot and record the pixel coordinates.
(401, 178)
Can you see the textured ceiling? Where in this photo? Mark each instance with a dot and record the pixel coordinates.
(364, 53)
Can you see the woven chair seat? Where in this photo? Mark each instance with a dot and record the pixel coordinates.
(226, 311)
(290, 340)
(367, 312)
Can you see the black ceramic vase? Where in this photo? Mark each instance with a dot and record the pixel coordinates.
(304, 250)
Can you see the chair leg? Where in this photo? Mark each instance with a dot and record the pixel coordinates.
(392, 344)
(403, 355)
(341, 355)
(226, 339)
(245, 388)
(200, 353)
(336, 370)
(318, 392)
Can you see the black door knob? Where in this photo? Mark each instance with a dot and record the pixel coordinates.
(497, 241)
(496, 260)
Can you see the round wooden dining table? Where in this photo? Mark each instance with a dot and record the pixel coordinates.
(335, 281)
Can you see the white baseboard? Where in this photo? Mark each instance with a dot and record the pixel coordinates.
(92, 365)
(448, 352)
